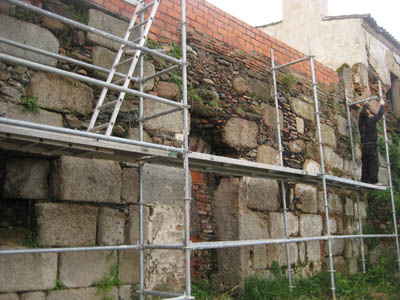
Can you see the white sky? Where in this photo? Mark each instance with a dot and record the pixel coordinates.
(261, 12)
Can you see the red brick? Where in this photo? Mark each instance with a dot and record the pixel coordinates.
(174, 14)
(111, 7)
(209, 18)
(129, 8)
(197, 177)
(219, 23)
(197, 12)
(164, 17)
(201, 20)
(156, 30)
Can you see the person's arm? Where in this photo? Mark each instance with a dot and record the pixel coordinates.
(380, 113)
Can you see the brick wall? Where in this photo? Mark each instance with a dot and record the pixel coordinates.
(205, 17)
(203, 262)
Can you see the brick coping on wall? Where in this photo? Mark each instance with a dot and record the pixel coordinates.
(207, 18)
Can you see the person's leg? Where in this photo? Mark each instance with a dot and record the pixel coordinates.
(364, 167)
(373, 165)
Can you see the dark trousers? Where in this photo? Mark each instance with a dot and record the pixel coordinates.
(370, 163)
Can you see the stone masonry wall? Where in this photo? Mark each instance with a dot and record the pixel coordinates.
(61, 201)
(53, 201)
(233, 115)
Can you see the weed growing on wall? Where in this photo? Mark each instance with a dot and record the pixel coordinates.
(31, 105)
(109, 281)
(30, 241)
(18, 13)
(288, 81)
(59, 285)
(79, 14)
(176, 51)
(193, 93)
(175, 78)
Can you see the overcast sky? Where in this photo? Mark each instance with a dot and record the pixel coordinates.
(261, 12)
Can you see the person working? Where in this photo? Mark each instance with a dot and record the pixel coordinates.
(369, 138)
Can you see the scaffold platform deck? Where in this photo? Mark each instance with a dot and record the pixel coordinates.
(54, 141)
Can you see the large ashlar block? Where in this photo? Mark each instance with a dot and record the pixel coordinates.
(340, 264)
(171, 123)
(277, 225)
(61, 225)
(240, 133)
(164, 185)
(133, 224)
(343, 126)
(335, 203)
(105, 58)
(308, 197)
(302, 109)
(61, 94)
(12, 111)
(9, 296)
(165, 227)
(127, 292)
(267, 155)
(328, 135)
(253, 226)
(338, 247)
(33, 296)
(310, 225)
(278, 253)
(109, 24)
(352, 266)
(312, 166)
(92, 180)
(129, 266)
(227, 226)
(261, 194)
(313, 251)
(269, 116)
(91, 293)
(26, 178)
(27, 272)
(83, 269)
(111, 226)
(130, 185)
(332, 159)
(349, 207)
(29, 34)
(260, 88)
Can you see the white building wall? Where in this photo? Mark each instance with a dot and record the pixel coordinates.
(380, 58)
(334, 42)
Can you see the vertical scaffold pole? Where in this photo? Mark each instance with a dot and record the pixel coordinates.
(141, 179)
(390, 181)
(354, 172)
(188, 198)
(283, 186)
(321, 153)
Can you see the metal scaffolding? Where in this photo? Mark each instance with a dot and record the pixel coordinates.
(55, 141)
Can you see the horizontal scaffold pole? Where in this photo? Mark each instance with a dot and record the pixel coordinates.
(291, 63)
(40, 67)
(93, 30)
(366, 100)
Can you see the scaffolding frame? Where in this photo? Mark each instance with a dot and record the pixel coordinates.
(50, 140)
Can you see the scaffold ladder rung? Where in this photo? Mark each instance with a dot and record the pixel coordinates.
(132, 62)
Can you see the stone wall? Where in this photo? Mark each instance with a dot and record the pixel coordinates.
(52, 201)
(233, 113)
(65, 201)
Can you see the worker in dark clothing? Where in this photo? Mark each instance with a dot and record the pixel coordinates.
(369, 146)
